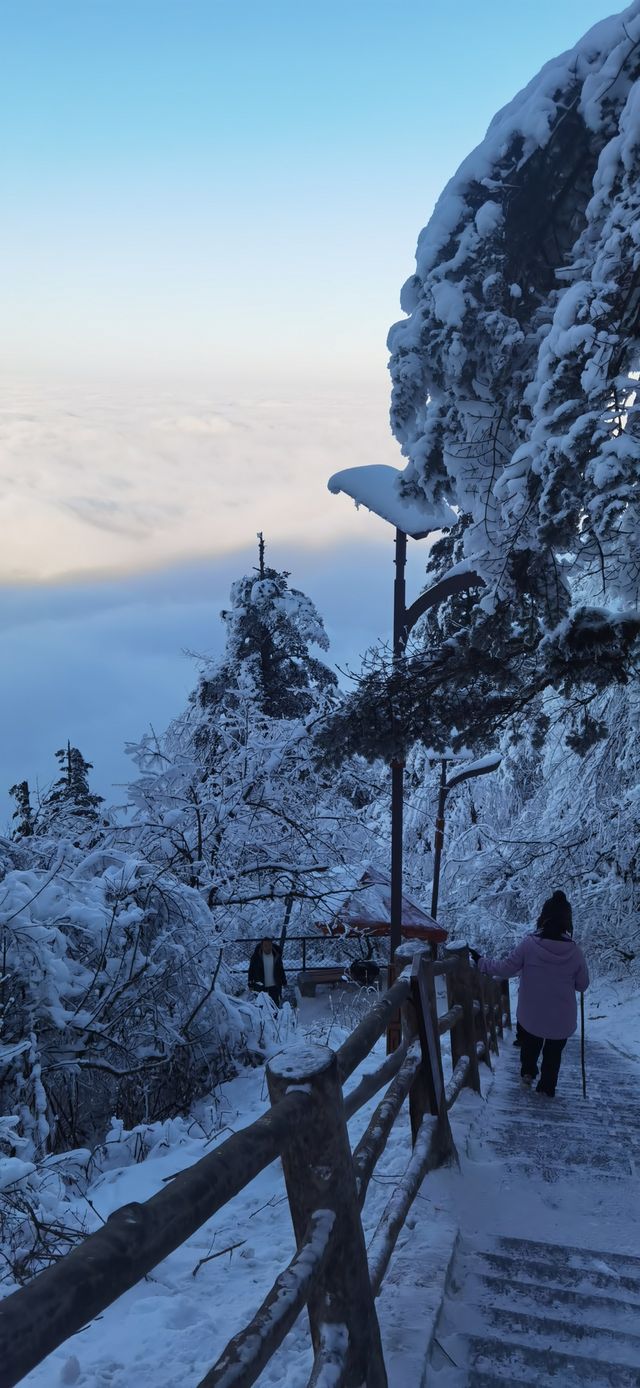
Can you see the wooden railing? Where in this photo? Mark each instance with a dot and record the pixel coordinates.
(332, 1272)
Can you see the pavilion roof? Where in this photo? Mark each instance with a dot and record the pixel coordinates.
(364, 906)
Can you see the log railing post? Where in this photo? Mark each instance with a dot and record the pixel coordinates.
(482, 1032)
(426, 1005)
(423, 1093)
(460, 991)
(420, 1019)
(319, 1174)
(497, 1006)
(505, 1001)
(488, 990)
(427, 1091)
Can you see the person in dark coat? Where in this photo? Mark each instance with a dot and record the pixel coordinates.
(266, 970)
(552, 970)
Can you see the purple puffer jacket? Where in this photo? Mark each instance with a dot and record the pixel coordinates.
(552, 971)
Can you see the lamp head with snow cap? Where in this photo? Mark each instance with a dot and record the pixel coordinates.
(378, 487)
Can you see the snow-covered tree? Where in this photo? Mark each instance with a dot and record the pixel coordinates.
(552, 816)
(269, 628)
(514, 372)
(466, 677)
(70, 807)
(230, 798)
(23, 813)
(515, 401)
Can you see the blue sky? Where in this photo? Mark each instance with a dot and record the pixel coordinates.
(210, 207)
(236, 186)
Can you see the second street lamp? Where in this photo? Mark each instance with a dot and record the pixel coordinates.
(481, 767)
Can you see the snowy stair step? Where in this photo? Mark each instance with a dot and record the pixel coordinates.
(541, 1276)
(569, 1255)
(621, 1128)
(601, 1312)
(478, 1379)
(572, 1139)
(568, 1094)
(550, 1171)
(538, 1331)
(573, 1134)
(614, 1158)
(524, 1103)
(507, 1361)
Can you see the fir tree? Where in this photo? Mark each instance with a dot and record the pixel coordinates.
(269, 628)
(72, 786)
(23, 812)
(70, 805)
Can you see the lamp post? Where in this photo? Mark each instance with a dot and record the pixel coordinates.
(477, 768)
(377, 487)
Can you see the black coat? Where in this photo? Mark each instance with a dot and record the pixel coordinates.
(256, 969)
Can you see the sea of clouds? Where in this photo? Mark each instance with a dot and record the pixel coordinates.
(126, 514)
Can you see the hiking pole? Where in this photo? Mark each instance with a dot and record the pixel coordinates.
(584, 1070)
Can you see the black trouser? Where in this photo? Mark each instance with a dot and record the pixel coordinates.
(276, 994)
(530, 1047)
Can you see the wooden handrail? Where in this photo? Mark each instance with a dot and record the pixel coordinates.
(246, 1354)
(424, 1158)
(330, 1273)
(374, 1081)
(375, 1137)
(449, 1019)
(135, 1238)
(459, 1078)
(319, 1174)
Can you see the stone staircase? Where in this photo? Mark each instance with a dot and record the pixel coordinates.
(544, 1285)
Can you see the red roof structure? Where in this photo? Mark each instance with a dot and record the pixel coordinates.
(365, 909)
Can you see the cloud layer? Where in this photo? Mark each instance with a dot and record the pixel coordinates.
(97, 477)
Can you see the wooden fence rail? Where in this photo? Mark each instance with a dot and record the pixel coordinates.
(332, 1273)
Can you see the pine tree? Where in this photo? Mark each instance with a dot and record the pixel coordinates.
(23, 812)
(72, 786)
(269, 628)
(514, 390)
(70, 806)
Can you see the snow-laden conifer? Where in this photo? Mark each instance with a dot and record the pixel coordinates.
(514, 372)
(230, 798)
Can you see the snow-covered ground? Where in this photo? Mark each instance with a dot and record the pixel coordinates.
(612, 1014)
(171, 1328)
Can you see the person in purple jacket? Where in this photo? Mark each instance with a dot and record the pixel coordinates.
(552, 969)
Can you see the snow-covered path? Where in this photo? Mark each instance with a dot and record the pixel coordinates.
(544, 1284)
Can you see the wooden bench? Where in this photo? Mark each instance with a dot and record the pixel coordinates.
(329, 974)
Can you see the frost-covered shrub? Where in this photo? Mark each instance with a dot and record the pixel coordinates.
(40, 1214)
(111, 996)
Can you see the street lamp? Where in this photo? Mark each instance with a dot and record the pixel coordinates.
(377, 487)
(477, 768)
